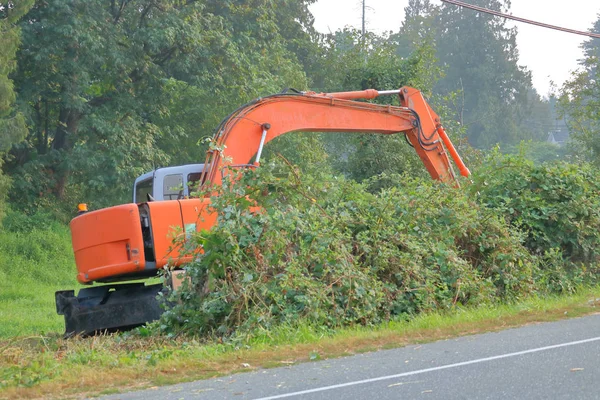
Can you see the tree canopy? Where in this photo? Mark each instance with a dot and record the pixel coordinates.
(580, 101)
(122, 87)
(479, 56)
(12, 122)
(100, 91)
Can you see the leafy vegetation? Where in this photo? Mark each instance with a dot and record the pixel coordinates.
(479, 57)
(580, 101)
(555, 206)
(331, 252)
(12, 123)
(121, 88)
(371, 61)
(100, 108)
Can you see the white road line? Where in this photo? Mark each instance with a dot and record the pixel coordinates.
(423, 371)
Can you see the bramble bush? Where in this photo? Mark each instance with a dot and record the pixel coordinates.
(556, 207)
(331, 252)
(326, 251)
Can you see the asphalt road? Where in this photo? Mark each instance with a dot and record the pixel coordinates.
(559, 360)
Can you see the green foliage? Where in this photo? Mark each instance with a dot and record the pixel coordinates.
(371, 62)
(9, 42)
(554, 205)
(479, 57)
(111, 89)
(540, 152)
(12, 124)
(300, 148)
(4, 188)
(295, 25)
(580, 102)
(326, 251)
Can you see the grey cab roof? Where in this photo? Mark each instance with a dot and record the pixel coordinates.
(171, 170)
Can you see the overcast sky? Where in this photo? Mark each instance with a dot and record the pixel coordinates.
(549, 54)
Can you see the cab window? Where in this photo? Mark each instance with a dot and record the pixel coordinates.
(142, 189)
(172, 186)
(193, 182)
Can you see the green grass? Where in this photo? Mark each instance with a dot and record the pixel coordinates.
(49, 366)
(35, 260)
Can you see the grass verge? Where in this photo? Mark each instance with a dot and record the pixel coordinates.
(36, 261)
(50, 367)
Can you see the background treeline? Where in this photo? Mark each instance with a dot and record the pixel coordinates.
(94, 93)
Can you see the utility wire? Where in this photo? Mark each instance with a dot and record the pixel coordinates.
(527, 21)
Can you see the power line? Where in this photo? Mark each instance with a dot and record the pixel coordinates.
(527, 21)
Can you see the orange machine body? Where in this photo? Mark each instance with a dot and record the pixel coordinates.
(134, 241)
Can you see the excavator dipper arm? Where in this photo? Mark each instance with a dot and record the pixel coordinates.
(243, 134)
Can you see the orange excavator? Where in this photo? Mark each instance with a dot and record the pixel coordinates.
(131, 242)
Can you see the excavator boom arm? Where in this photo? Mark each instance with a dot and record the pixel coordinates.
(243, 134)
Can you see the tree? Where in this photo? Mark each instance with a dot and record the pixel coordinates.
(114, 88)
(418, 27)
(479, 57)
(12, 123)
(295, 24)
(580, 101)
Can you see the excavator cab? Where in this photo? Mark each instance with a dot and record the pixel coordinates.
(168, 183)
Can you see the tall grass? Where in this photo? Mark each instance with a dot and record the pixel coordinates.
(35, 260)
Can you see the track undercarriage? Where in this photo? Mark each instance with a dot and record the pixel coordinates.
(108, 308)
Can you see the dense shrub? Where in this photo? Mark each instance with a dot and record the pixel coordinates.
(327, 251)
(556, 207)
